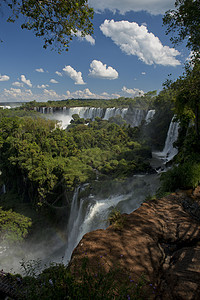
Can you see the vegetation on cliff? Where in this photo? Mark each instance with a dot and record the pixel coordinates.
(146, 102)
(39, 160)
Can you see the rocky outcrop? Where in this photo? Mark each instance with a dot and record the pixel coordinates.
(161, 239)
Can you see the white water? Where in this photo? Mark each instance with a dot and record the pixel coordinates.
(149, 116)
(169, 151)
(92, 213)
(64, 115)
(137, 117)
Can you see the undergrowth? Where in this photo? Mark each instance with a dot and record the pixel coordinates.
(58, 282)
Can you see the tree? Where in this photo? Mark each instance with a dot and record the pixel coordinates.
(187, 91)
(185, 21)
(56, 21)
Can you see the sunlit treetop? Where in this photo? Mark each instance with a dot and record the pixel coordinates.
(184, 23)
(56, 21)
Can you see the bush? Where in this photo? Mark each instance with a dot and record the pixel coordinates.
(183, 176)
(83, 283)
(116, 219)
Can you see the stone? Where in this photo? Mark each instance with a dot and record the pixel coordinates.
(161, 239)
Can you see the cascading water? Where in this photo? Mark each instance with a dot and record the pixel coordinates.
(92, 213)
(149, 116)
(169, 151)
(134, 117)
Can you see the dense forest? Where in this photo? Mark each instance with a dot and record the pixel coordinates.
(41, 164)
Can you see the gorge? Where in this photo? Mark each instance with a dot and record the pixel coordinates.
(91, 212)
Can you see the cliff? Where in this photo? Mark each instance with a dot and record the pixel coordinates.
(161, 239)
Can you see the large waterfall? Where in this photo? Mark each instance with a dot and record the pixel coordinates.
(133, 116)
(91, 213)
(169, 151)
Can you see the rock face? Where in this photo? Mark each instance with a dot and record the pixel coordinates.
(161, 239)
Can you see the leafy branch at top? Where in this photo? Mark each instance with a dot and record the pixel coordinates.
(56, 21)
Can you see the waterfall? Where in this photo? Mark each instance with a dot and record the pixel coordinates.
(169, 151)
(149, 116)
(93, 112)
(4, 189)
(73, 223)
(92, 213)
(134, 116)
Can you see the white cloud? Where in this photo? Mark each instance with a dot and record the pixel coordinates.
(152, 6)
(51, 93)
(53, 81)
(143, 73)
(39, 70)
(4, 77)
(42, 86)
(74, 75)
(99, 70)
(17, 93)
(58, 73)
(26, 81)
(136, 40)
(87, 94)
(133, 92)
(17, 83)
(87, 37)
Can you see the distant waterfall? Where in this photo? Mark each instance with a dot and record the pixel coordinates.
(169, 151)
(149, 116)
(92, 213)
(133, 116)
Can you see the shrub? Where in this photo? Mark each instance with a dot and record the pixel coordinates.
(184, 176)
(116, 219)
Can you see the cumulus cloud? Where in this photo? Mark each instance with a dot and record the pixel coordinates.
(17, 93)
(87, 94)
(4, 77)
(39, 70)
(143, 73)
(152, 6)
(74, 75)
(58, 73)
(17, 83)
(133, 92)
(136, 40)
(53, 81)
(42, 86)
(88, 38)
(99, 70)
(51, 93)
(26, 81)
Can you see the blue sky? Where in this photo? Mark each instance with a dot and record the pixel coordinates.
(128, 55)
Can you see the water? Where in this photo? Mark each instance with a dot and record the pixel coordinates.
(149, 116)
(92, 213)
(169, 151)
(64, 115)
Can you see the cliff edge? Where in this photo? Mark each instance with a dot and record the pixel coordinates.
(161, 239)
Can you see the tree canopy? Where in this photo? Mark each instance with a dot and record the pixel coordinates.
(184, 21)
(56, 21)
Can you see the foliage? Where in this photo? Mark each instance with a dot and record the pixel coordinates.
(144, 101)
(55, 21)
(117, 219)
(185, 21)
(13, 226)
(156, 131)
(59, 282)
(40, 161)
(186, 95)
(186, 175)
